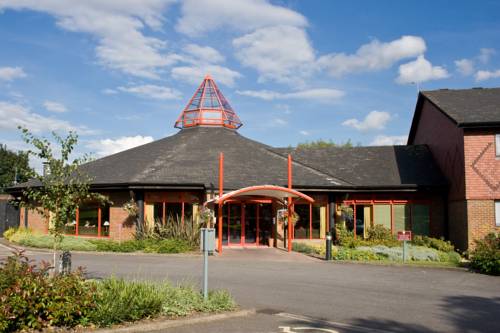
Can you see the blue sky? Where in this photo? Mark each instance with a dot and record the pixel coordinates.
(120, 72)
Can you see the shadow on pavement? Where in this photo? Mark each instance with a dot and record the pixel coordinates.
(473, 314)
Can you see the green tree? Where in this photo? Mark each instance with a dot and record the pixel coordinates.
(62, 188)
(13, 165)
(320, 143)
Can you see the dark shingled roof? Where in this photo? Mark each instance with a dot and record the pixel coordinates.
(374, 167)
(468, 107)
(190, 159)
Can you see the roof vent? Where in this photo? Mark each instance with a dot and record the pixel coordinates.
(208, 107)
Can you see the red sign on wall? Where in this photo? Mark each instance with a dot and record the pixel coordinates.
(404, 235)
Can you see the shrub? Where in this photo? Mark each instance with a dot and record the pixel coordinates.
(120, 301)
(9, 232)
(174, 228)
(167, 246)
(485, 257)
(32, 300)
(379, 233)
(435, 243)
(345, 237)
(353, 254)
(318, 249)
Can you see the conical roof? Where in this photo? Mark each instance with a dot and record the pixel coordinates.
(208, 107)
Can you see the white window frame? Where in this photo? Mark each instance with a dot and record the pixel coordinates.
(497, 213)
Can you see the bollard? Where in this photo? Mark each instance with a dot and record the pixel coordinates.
(65, 263)
(328, 253)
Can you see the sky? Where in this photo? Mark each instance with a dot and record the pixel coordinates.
(119, 72)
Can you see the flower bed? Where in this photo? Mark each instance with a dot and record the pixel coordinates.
(33, 300)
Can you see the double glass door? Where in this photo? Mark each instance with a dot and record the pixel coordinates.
(246, 223)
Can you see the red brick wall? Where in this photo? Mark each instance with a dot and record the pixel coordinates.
(482, 175)
(121, 226)
(481, 219)
(482, 167)
(36, 221)
(445, 140)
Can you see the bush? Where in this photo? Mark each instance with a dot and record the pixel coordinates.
(317, 249)
(26, 237)
(187, 231)
(353, 254)
(485, 257)
(32, 300)
(377, 235)
(9, 232)
(435, 243)
(120, 301)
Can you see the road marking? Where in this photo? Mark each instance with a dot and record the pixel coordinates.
(288, 329)
(326, 323)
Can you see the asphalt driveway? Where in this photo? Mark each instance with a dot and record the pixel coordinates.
(389, 298)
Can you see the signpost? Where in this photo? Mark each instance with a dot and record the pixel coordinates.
(207, 244)
(404, 236)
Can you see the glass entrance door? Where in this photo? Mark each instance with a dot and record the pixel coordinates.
(234, 227)
(247, 223)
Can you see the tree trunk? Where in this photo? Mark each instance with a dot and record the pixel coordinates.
(54, 261)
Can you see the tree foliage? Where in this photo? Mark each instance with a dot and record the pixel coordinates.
(13, 165)
(63, 188)
(320, 143)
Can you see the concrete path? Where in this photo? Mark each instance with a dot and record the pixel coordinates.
(286, 287)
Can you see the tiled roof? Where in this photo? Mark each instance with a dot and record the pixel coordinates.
(468, 107)
(190, 158)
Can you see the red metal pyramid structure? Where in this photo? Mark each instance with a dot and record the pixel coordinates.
(208, 107)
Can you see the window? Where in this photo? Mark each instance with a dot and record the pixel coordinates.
(420, 219)
(497, 145)
(302, 225)
(382, 215)
(401, 218)
(497, 213)
(173, 211)
(316, 221)
(92, 221)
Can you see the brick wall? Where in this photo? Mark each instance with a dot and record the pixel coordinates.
(446, 142)
(482, 176)
(36, 221)
(121, 225)
(481, 216)
(482, 167)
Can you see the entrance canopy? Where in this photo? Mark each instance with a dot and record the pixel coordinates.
(268, 191)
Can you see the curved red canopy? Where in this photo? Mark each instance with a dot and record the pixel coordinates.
(269, 191)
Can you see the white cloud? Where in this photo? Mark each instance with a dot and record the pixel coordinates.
(204, 53)
(13, 115)
(420, 70)
(279, 53)
(109, 91)
(305, 133)
(118, 27)
(487, 75)
(106, 147)
(465, 66)
(375, 120)
(384, 140)
(152, 91)
(320, 94)
(195, 74)
(373, 56)
(202, 16)
(56, 107)
(11, 73)
(485, 55)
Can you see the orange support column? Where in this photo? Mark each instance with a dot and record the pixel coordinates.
(290, 223)
(221, 192)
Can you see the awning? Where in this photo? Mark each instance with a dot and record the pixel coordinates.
(267, 191)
